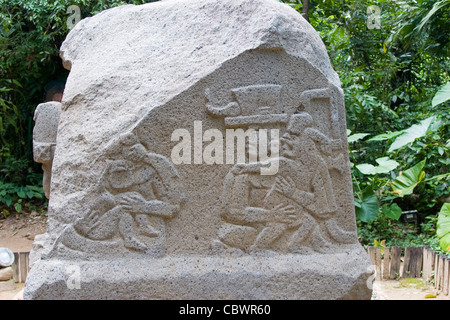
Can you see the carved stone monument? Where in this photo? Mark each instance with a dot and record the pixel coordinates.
(201, 154)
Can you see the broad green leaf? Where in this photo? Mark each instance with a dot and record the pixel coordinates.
(386, 136)
(38, 195)
(393, 211)
(366, 168)
(357, 136)
(368, 208)
(18, 207)
(435, 125)
(442, 95)
(437, 6)
(414, 132)
(21, 193)
(385, 165)
(405, 182)
(7, 200)
(443, 227)
(30, 194)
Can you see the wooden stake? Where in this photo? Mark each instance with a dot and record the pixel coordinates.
(386, 263)
(428, 263)
(375, 257)
(396, 253)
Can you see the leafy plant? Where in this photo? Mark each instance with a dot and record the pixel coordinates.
(405, 183)
(31, 33)
(392, 211)
(372, 194)
(382, 186)
(385, 165)
(415, 131)
(367, 205)
(12, 195)
(443, 227)
(442, 95)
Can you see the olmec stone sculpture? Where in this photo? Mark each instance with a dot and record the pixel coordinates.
(136, 192)
(201, 154)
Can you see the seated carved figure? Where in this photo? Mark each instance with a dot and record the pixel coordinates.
(263, 209)
(136, 195)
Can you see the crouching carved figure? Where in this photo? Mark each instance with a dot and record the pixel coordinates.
(138, 191)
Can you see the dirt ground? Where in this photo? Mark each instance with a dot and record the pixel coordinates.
(406, 289)
(17, 233)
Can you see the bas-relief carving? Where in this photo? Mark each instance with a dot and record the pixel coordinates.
(255, 104)
(138, 191)
(288, 211)
(292, 210)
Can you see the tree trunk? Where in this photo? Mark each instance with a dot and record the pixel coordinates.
(305, 9)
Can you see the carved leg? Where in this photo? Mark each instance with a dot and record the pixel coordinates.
(126, 231)
(268, 235)
(338, 234)
(302, 233)
(237, 236)
(318, 242)
(144, 227)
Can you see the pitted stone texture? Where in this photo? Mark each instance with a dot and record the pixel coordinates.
(335, 277)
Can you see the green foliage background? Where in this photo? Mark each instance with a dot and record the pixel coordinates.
(31, 34)
(389, 74)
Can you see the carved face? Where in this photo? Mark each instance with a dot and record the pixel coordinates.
(292, 140)
(135, 153)
(290, 145)
(119, 175)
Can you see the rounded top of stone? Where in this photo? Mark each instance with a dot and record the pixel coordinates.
(184, 40)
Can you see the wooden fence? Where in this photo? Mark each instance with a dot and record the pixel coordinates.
(21, 266)
(417, 262)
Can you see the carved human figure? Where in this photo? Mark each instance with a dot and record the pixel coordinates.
(261, 209)
(138, 191)
(308, 155)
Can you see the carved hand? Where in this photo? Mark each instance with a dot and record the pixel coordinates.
(285, 186)
(283, 214)
(244, 168)
(133, 202)
(238, 169)
(91, 220)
